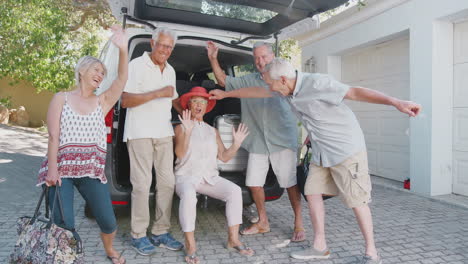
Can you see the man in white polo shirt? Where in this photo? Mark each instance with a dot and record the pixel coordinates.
(148, 97)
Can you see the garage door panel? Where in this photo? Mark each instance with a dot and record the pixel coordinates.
(460, 172)
(394, 127)
(393, 85)
(395, 57)
(460, 43)
(368, 122)
(393, 164)
(460, 129)
(388, 127)
(460, 110)
(385, 68)
(377, 61)
(460, 90)
(372, 157)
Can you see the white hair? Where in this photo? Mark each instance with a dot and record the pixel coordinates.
(84, 64)
(259, 44)
(280, 67)
(165, 31)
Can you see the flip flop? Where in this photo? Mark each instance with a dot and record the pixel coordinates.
(239, 249)
(259, 230)
(117, 258)
(192, 259)
(296, 231)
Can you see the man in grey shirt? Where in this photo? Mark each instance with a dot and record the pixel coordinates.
(272, 139)
(339, 159)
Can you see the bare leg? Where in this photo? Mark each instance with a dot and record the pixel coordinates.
(233, 240)
(107, 241)
(190, 247)
(258, 195)
(364, 218)
(295, 199)
(317, 215)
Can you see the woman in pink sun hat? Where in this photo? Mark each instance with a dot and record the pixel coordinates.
(198, 146)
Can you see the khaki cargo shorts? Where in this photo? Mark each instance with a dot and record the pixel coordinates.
(350, 179)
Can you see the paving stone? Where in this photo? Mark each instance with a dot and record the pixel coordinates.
(408, 228)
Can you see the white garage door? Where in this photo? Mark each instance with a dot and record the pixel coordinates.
(460, 109)
(383, 67)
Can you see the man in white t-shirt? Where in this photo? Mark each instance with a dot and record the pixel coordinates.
(148, 97)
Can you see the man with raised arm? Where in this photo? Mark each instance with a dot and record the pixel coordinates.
(339, 158)
(272, 139)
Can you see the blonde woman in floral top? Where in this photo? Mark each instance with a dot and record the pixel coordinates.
(77, 143)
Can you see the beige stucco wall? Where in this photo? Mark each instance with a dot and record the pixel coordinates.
(24, 94)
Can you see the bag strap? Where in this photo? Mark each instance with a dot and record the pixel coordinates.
(305, 160)
(57, 199)
(38, 206)
(79, 243)
(47, 203)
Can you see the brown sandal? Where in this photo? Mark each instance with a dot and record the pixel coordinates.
(259, 230)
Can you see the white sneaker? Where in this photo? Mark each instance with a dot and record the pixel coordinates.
(311, 253)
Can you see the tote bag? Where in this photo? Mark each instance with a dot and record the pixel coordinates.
(43, 241)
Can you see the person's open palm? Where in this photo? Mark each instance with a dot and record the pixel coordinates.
(186, 120)
(241, 133)
(212, 50)
(119, 37)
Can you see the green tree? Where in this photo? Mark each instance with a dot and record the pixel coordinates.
(41, 40)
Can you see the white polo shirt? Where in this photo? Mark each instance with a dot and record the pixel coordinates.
(153, 118)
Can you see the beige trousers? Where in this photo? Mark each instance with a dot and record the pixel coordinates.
(223, 189)
(143, 154)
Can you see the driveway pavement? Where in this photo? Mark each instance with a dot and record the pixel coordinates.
(408, 228)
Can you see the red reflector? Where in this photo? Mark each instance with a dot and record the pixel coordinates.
(272, 197)
(108, 120)
(120, 202)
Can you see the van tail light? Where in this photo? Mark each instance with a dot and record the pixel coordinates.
(268, 198)
(109, 120)
(119, 202)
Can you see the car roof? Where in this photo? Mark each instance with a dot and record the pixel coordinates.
(254, 17)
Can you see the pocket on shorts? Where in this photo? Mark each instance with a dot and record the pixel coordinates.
(359, 183)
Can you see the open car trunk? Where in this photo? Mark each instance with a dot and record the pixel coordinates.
(252, 17)
(190, 62)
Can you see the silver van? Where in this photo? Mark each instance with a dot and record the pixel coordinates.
(234, 25)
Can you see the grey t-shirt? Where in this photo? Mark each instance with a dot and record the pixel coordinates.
(271, 123)
(333, 129)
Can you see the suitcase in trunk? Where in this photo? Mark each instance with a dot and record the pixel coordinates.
(224, 124)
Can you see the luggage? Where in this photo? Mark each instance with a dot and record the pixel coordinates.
(42, 241)
(224, 124)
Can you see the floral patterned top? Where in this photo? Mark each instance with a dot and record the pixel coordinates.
(82, 145)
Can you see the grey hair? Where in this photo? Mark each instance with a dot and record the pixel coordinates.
(259, 44)
(164, 31)
(280, 67)
(84, 63)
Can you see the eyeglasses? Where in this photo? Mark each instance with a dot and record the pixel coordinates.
(163, 46)
(199, 101)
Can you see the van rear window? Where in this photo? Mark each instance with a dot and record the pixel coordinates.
(215, 8)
